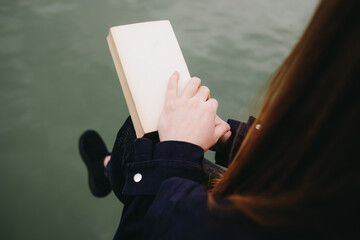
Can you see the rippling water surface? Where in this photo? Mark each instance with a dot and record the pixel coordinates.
(57, 79)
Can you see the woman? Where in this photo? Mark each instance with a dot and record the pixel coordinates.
(294, 175)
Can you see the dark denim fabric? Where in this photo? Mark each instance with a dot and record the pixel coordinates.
(224, 156)
(122, 153)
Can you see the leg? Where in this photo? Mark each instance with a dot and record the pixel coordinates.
(121, 155)
(104, 177)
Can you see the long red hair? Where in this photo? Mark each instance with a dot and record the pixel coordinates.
(301, 169)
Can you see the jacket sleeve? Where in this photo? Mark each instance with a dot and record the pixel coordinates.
(153, 164)
(239, 130)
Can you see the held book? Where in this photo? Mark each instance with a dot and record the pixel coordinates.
(145, 56)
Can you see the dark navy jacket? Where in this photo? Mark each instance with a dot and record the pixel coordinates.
(164, 198)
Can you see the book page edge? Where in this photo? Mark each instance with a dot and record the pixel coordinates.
(125, 88)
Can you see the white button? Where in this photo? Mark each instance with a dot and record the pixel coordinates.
(137, 177)
(257, 126)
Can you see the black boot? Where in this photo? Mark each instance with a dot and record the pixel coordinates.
(93, 151)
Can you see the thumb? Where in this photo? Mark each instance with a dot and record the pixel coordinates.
(172, 89)
(221, 129)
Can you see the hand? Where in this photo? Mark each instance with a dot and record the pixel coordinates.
(222, 140)
(190, 117)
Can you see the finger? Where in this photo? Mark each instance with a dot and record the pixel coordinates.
(213, 104)
(191, 87)
(224, 138)
(172, 90)
(203, 93)
(221, 129)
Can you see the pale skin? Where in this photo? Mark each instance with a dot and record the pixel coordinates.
(191, 117)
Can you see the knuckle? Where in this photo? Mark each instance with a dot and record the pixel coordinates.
(195, 80)
(205, 89)
(214, 102)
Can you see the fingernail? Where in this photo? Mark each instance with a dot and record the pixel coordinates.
(175, 74)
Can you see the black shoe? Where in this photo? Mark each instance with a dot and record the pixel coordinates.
(93, 151)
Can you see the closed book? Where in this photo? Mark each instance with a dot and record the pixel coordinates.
(145, 56)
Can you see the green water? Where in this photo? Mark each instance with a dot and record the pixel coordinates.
(57, 79)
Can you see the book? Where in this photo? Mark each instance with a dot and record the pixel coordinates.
(145, 56)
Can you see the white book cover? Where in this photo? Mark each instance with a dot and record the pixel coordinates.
(149, 54)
